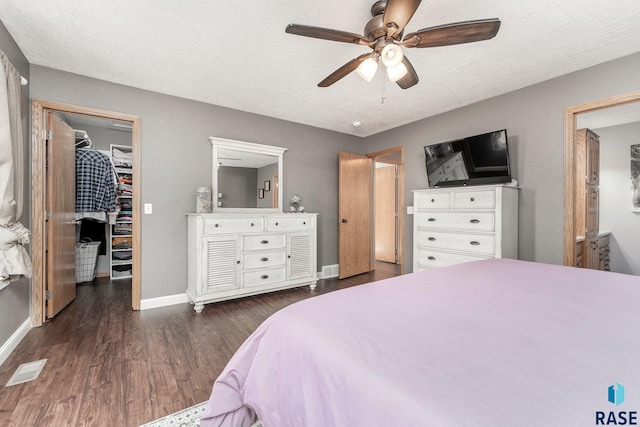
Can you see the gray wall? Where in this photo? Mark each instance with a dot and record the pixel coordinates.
(533, 117)
(14, 299)
(615, 196)
(176, 160)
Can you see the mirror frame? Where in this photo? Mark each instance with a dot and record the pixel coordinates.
(570, 127)
(248, 147)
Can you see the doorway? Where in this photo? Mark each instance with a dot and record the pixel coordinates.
(388, 206)
(40, 112)
(570, 163)
(356, 233)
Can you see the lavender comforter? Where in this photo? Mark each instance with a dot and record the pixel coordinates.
(487, 343)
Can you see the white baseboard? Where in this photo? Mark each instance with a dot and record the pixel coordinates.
(14, 340)
(149, 303)
(328, 271)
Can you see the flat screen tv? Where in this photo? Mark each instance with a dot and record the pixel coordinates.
(475, 160)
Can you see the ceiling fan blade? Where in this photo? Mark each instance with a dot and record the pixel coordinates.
(344, 70)
(327, 34)
(411, 78)
(397, 14)
(456, 33)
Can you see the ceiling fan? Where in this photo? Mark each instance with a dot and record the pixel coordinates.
(384, 35)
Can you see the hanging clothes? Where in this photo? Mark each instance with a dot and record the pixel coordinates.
(96, 232)
(95, 184)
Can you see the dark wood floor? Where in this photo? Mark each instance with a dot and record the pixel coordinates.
(110, 366)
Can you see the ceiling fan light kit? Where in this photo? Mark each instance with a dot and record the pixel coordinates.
(367, 69)
(397, 72)
(384, 35)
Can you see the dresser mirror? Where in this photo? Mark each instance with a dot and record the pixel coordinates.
(246, 176)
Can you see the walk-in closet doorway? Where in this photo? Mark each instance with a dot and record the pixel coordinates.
(48, 281)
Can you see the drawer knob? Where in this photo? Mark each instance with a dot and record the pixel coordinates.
(304, 222)
(238, 262)
(216, 225)
(265, 259)
(252, 224)
(431, 220)
(264, 242)
(474, 221)
(474, 243)
(264, 276)
(432, 239)
(432, 258)
(433, 200)
(472, 199)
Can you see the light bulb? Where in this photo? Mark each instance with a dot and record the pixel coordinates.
(392, 55)
(397, 72)
(367, 69)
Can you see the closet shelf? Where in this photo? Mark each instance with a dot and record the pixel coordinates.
(121, 157)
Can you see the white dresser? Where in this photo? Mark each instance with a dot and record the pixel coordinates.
(460, 224)
(236, 255)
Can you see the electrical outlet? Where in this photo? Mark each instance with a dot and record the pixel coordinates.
(148, 208)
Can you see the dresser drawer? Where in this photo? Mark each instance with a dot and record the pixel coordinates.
(477, 221)
(483, 199)
(233, 225)
(263, 277)
(263, 259)
(477, 243)
(432, 259)
(289, 223)
(433, 201)
(257, 243)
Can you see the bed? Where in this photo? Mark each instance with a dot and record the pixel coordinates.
(487, 343)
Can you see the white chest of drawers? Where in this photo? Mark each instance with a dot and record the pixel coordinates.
(236, 255)
(455, 225)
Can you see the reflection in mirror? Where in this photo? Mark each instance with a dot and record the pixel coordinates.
(246, 175)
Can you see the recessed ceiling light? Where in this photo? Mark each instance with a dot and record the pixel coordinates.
(356, 124)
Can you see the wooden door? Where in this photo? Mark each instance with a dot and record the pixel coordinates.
(592, 210)
(354, 210)
(385, 220)
(593, 158)
(61, 201)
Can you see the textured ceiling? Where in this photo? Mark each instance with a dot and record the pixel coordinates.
(235, 53)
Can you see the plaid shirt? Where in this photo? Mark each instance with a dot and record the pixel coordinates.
(95, 184)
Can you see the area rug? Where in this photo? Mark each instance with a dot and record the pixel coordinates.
(189, 417)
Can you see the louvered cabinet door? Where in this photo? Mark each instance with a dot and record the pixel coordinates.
(301, 257)
(221, 264)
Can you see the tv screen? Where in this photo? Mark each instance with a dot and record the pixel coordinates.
(475, 160)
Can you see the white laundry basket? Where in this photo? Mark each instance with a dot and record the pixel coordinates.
(86, 261)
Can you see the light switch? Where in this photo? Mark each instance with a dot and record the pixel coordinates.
(148, 208)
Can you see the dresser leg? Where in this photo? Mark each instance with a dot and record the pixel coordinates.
(198, 308)
(312, 285)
